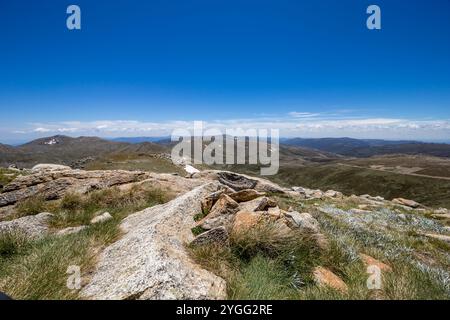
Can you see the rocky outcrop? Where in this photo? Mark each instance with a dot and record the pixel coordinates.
(370, 261)
(31, 226)
(53, 184)
(150, 260)
(53, 181)
(240, 182)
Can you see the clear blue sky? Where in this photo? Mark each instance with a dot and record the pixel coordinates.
(138, 64)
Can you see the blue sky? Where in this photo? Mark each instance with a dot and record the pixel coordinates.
(310, 68)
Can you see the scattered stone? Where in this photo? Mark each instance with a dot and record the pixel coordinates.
(369, 261)
(190, 169)
(217, 235)
(31, 226)
(440, 237)
(325, 277)
(265, 203)
(222, 213)
(406, 202)
(359, 211)
(101, 218)
(303, 221)
(246, 195)
(333, 194)
(70, 230)
(281, 227)
(245, 220)
(274, 212)
(211, 199)
(321, 241)
(369, 197)
(49, 167)
(443, 216)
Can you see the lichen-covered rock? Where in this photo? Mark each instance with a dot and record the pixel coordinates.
(240, 181)
(304, 221)
(246, 195)
(150, 260)
(217, 235)
(31, 226)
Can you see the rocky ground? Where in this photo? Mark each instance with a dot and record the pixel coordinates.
(223, 235)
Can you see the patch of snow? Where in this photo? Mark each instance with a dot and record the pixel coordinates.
(190, 169)
(51, 142)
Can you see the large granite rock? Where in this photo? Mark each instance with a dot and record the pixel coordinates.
(150, 260)
(31, 226)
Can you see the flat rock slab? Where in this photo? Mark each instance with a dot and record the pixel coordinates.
(150, 261)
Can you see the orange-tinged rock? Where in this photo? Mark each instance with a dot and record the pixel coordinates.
(370, 261)
(245, 220)
(325, 277)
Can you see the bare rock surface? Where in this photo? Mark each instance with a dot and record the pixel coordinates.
(31, 226)
(150, 260)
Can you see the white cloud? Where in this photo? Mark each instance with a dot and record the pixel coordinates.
(304, 125)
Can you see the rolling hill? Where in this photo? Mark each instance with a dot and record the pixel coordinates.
(371, 147)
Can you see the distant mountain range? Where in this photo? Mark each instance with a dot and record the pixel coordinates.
(370, 147)
(140, 139)
(67, 150)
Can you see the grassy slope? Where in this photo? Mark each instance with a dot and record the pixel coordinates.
(350, 180)
(261, 265)
(37, 269)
